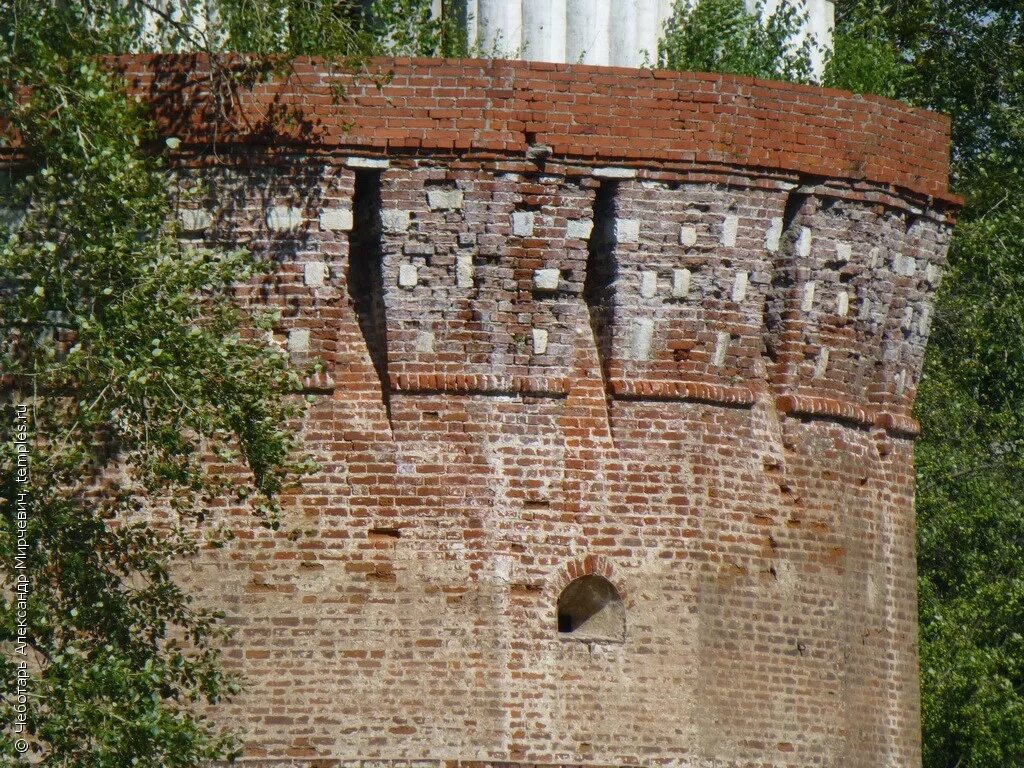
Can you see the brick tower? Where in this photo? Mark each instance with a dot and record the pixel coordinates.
(615, 428)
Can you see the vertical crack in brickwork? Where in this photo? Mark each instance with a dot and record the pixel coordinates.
(366, 275)
(599, 284)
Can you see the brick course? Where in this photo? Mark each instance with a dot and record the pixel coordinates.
(678, 348)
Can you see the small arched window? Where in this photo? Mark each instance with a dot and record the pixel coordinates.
(590, 608)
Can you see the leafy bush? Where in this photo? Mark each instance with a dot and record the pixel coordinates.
(722, 36)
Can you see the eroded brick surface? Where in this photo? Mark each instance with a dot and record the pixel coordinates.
(717, 422)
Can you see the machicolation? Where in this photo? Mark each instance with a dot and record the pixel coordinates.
(616, 425)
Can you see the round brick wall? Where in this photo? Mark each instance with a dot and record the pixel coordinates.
(660, 328)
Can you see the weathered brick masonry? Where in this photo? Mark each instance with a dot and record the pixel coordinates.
(661, 328)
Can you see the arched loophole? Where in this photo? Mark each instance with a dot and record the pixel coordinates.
(590, 608)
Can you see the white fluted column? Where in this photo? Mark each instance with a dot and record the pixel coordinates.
(617, 32)
(623, 50)
(500, 27)
(586, 31)
(544, 30)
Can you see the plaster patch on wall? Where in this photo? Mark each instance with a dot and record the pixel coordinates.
(739, 287)
(540, 341)
(611, 172)
(843, 304)
(425, 342)
(394, 220)
(643, 335)
(282, 218)
(192, 219)
(579, 229)
(821, 365)
(807, 304)
(444, 199)
(298, 341)
(803, 243)
(336, 219)
(627, 230)
(648, 284)
(314, 273)
(464, 271)
(680, 283)
(730, 227)
(408, 275)
(546, 279)
(522, 223)
(773, 237)
(378, 163)
(721, 348)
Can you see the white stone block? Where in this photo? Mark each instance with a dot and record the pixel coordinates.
(540, 341)
(843, 304)
(808, 301)
(932, 274)
(844, 251)
(192, 219)
(281, 218)
(298, 341)
(721, 349)
(378, 163)
(336, 219)
(648, 284)
(905, 266)
(464, 271)
(627, 230)
(522, 223)
(908, 318)
(579, 229)
(643, 335)
(873, 256)
(739, 287)
(546, 279)
(687, 235)
(408, 276)
(821, 365)
(444, 199)
(803, 244)
(924, 322)
(865, 308)
(680, 283)
(773, 237)
(730, 227)
(615, 173)
(425, 341)
(315, 273)
(394, 220)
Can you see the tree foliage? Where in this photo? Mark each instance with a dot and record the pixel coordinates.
(139, 365)
(147, 378)
(722, 36)
(138, 360)
(965, 58)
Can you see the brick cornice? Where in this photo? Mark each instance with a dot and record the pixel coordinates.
(582, 113)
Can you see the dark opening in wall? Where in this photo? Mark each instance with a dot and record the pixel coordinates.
(794, 204)
(366, 273)
(785, 273)
(590, 608)
(599, 283)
